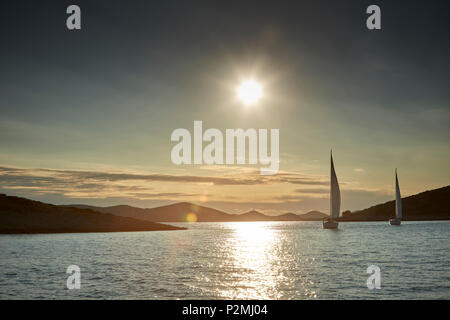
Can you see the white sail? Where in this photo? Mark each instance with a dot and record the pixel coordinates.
(335, 193)
(398, 198)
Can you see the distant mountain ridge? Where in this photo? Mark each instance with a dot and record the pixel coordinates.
(20, 215)
(428, 205)
(178, 212)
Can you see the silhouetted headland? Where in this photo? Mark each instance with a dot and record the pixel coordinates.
(428, 205)
(20, 215)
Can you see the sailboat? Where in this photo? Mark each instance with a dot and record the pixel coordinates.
(335, 200)
(398, 205)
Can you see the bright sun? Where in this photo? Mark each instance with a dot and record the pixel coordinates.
(249, 92)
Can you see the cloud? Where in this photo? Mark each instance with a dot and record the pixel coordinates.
(316, 190)
(148, 190)
(47, 176)
(105, 184)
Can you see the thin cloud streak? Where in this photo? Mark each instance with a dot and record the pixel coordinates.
(320, 191)
(48, 176)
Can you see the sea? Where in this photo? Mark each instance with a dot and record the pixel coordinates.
(233, 260)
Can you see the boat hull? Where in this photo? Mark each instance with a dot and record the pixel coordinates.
(330, 225)
(395, 222)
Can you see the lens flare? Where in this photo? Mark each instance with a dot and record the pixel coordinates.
(191, 217)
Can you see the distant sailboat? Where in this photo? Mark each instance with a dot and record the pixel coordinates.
(398, 204)
(335, 200)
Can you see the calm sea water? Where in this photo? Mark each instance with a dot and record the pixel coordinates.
(244, 260)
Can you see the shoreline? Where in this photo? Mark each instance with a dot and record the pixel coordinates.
(77, 232)
(184, 229)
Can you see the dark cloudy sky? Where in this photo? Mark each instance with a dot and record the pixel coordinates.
(104, 100)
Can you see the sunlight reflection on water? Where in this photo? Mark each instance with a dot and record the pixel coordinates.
(242, 260)
(254, 255)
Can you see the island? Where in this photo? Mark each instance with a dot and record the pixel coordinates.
(20, 215)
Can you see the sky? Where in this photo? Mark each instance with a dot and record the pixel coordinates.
(87, 115)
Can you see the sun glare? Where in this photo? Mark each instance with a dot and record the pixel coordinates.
(249, 92)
